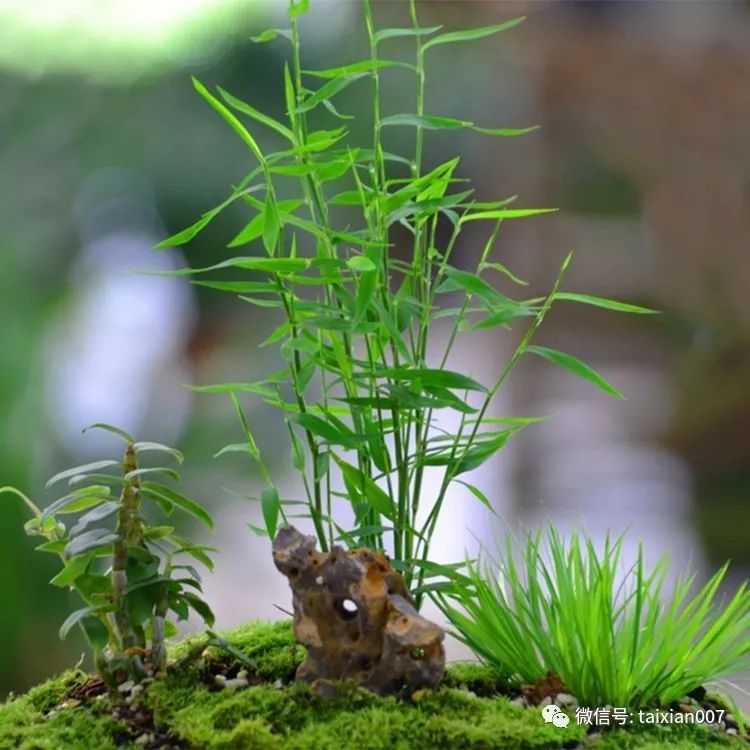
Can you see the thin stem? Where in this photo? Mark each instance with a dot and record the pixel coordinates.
(456, 459)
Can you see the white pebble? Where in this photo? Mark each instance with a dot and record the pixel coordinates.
(235, 684)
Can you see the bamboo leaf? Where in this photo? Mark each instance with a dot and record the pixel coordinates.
(427, 122)
(270, 505)
(271, 224)
(246, 109)
(327, 431)
(363, 66)
(468, 35)
(233, 122)
(270, 34)
(576, 366)
(394, 33)
(507, 213)
(427, 376)
(328, 91)
(374, 495)
(607, 304)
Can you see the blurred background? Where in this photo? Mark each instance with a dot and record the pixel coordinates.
(106, 149)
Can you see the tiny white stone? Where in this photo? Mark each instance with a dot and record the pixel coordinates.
(235, 684)
(319, 580)
(126, 687)
(242, 674)
(220, 680)
(545, 702)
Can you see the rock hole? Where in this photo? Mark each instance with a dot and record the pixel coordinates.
(348, 609)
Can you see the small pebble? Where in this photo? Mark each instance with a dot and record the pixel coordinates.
(566, 700)
(278, 684)
(242, 674)
(235, 684)
(732, 732)
(137, 690)
(126, 687)
(144, 739)
(220, 680)
(520, 701)
(545, 702)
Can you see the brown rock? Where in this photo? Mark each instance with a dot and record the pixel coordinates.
(354, 615)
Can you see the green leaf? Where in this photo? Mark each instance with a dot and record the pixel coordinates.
(327, 431)
(110, 428)
(96, 632)
(77, 500)
(90, 540)
(468, 460)
(427, 122)
(328, 91)
(246, 109)
(199, 606)
(270, 505)
(271, 224)
(576, 367)
(155, 490)
(74, 568)
(76, 617)
(384, 34)
(607, 304)
(171, 473)
(479, 495)
(105, 510)
(270, 34)
(238, 448)
(251, 263)
(507, 213)
(298, 8)
(504, 132)
(84, 469)
(374, 495)
(474, 284)
(55, 547)
(468, 35)
(360, 263)
(363, 66)
(158, 532)
(426, 376)
(233, 122)
(147, 446)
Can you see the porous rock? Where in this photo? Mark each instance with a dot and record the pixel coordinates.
(355, 617)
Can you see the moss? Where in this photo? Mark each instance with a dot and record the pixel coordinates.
(278, 714)
(25, 724)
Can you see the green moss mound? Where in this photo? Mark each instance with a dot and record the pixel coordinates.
(275, 713)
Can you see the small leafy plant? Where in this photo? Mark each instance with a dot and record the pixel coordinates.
(613, 639)
(359, 260)
(129, 573)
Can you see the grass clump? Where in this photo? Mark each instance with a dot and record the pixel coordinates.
(614, 640)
